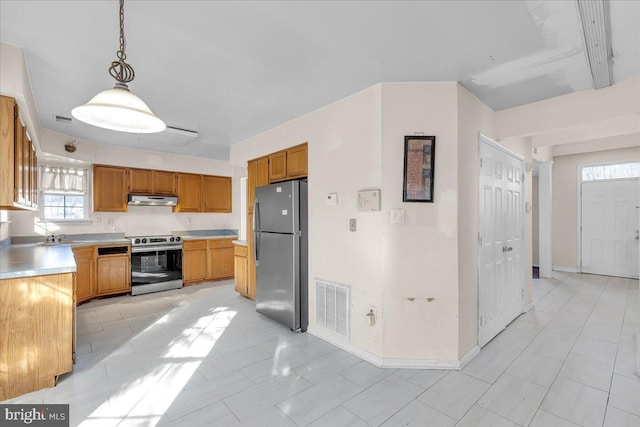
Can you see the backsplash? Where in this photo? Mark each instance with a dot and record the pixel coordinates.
(139, 220)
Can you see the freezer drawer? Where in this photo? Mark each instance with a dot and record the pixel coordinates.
(278, 278)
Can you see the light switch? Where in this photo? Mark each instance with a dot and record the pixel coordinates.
(332, 199)
(397, 216)
(352, 224)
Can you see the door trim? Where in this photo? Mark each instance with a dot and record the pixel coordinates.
(486, 140)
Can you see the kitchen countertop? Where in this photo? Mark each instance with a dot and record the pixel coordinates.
(240, 242)
(35, 260)
(203, 237)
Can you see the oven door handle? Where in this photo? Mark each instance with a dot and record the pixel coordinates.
(155, 248)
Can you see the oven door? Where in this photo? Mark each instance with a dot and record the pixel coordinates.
(150, 266)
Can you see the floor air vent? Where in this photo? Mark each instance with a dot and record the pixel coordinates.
(332, 306)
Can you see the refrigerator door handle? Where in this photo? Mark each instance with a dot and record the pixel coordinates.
(256, 234)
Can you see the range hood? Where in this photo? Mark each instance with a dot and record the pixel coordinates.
(150, 200)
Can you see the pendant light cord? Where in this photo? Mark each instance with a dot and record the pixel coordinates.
(120, 70)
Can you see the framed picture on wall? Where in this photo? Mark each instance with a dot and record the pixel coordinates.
(419, 158)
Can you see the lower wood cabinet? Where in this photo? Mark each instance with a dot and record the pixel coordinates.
(85, 276)
(240, 264)
(194, 261)
(36, 332)
(114, 274)
(207, 259)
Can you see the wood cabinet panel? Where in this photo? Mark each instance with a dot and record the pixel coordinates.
(36, 332)
(216, 193)
(258, 175)
(18, 160)
(109, 189)
(240, 273)
(85, 257)
(164, 183)
(189, 193)
(297, 162)
(194, 265)
(113, 274)
(278, 166)
(8, 110)
(194, 244)
(220, 263)
(140, 181)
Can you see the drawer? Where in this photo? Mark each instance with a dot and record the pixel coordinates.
(220, 243)
(240, 250)
(194, 244)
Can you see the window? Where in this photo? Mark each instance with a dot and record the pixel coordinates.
(614, 171)
(64, 193)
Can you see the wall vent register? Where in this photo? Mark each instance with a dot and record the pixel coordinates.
(332, 306)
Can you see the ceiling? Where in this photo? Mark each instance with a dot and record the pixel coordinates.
(232, 69)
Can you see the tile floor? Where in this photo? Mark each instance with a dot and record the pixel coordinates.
(203, 356)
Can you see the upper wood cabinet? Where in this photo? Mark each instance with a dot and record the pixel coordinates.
(164, 183)
(109, 189)
(216, 193)
(145, 181)
(297, 161)
(258, 175)
(140, 181)
(18, 160)
(288, 164)
(278, 166)
(189, 193)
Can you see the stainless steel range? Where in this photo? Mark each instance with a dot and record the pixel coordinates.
(156, 263)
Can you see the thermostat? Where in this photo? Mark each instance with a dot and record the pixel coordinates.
(369, 200)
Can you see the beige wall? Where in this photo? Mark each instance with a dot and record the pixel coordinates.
(473, 118)
(535, 246)
(565, 200)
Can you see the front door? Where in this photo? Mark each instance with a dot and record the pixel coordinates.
(501, 248)
(610, 215)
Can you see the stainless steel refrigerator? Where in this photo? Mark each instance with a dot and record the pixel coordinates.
(280, 251)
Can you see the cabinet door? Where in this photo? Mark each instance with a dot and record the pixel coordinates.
(164, 183)
(85, 273)
(34, 177)
(258, 175)
(278, 166)
(114, 274)
(7, 150)
(19, 163)
(216, 193)
(139, 181)
(26, 167)
(189, 193)
(297, 161)
(240, 274)
(109, 189)
(220, 258)
(194, 266)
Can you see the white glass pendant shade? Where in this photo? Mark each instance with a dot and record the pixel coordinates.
(118, 109)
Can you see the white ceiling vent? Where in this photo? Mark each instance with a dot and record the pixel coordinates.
(596, 28)
(332, 306)
(170, 136)
(63, 119)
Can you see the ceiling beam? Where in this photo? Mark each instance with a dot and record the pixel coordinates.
(596, 29)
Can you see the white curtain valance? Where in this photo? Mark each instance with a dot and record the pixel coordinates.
(64, 180)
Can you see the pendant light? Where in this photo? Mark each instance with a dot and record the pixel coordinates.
(118, 109)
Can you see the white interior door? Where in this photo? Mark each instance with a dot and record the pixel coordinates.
(610, 216)
(501, 250)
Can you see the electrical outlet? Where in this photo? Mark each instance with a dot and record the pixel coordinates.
(109, 221)
(353, 225)
(188, 220)
(98, 220)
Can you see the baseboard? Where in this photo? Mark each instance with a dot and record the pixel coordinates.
(528, 307)
(564, 269)
(391, 363)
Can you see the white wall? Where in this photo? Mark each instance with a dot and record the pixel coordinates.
(139, 219)
(565, 200)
